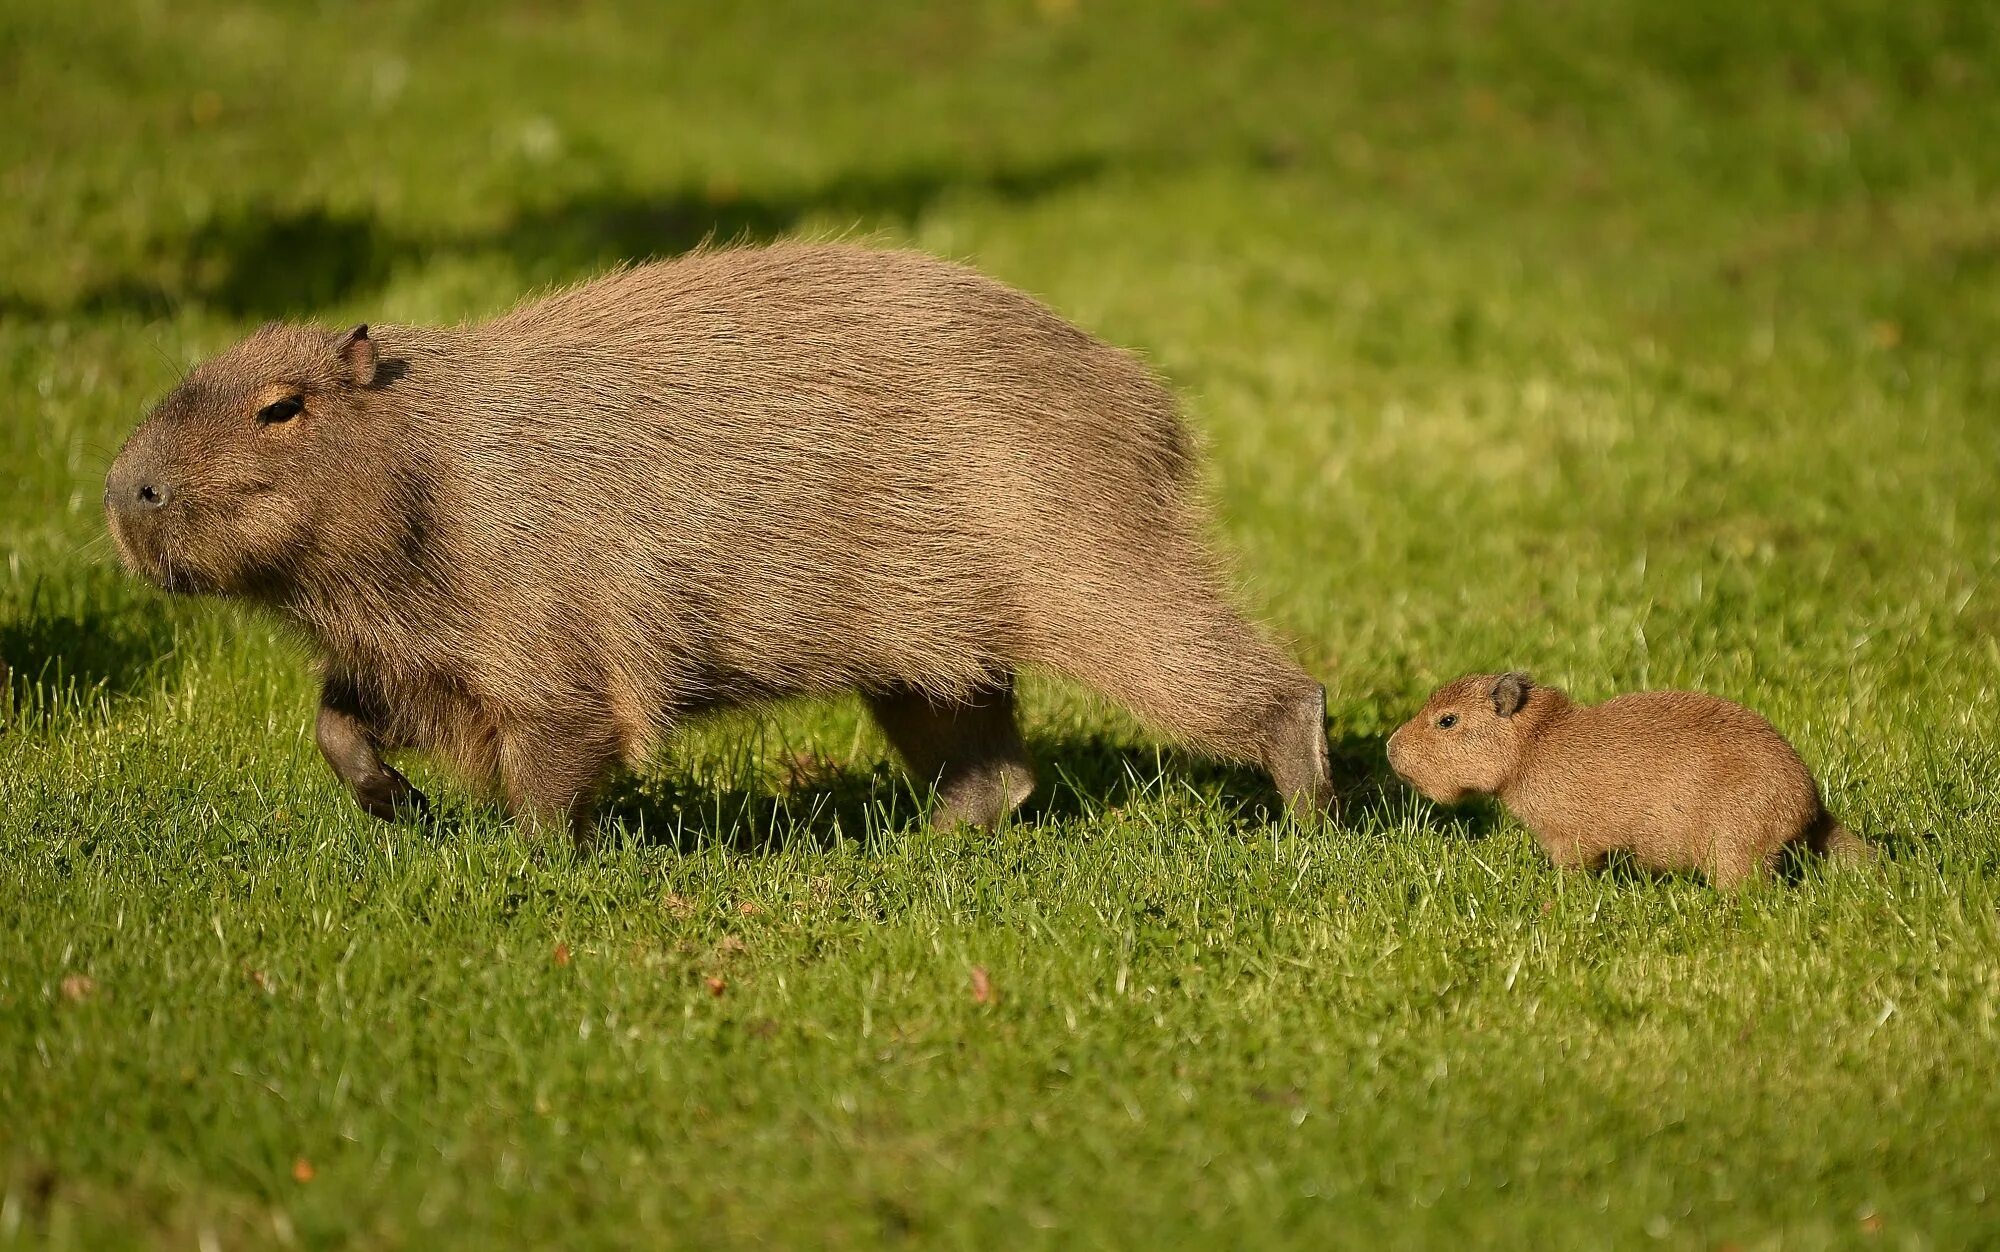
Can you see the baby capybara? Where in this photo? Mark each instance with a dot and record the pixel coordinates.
(534, 545)
(1677, 779)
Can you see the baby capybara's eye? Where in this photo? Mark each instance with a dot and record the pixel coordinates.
(280, 410)
(1448, 721)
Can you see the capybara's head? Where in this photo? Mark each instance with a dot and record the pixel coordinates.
(221, 489)
(1468, 740)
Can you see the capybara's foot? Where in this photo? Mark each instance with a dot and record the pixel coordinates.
(349, 747)
(1837, 843)
(969, 749)
(982, 793)
(1296, 754)
(391, 797)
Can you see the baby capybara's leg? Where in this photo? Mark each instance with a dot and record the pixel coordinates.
(1183, 661)
(1568, 852)
(1836, 842)
(1733, 862)
(350, 746)
(970, 750)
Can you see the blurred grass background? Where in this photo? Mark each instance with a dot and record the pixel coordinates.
(1634, 344)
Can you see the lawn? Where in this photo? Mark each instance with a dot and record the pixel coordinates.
(1633, 344)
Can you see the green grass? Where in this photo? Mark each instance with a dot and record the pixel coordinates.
(1634, 344)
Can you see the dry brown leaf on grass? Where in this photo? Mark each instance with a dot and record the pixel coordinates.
(562, 954)
(716, 986)
(982, 986)
(77, 987)
(748, 909)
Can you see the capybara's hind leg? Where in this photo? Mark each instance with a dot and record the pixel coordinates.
(1575, 855)
(971, 750)
(551, 769)
(1183, 661)
(1295, 750)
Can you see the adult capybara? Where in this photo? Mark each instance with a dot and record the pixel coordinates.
(1677, 779)
(534, 545)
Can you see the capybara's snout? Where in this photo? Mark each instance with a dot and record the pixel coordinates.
(136, 493)
(135, 487)
(143, 503)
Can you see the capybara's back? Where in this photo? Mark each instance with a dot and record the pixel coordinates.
(828, 466)
(744, 474)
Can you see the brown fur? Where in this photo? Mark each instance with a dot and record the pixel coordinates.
(535, 545)
(1677, 779)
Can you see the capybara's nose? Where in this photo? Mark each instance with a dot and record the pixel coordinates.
(133, 489)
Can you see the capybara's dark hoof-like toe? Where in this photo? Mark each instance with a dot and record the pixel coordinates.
(394, 800)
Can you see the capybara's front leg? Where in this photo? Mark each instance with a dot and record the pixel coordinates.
(351, 748)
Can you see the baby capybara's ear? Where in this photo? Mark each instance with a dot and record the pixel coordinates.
(356, 352)
(1510, 693)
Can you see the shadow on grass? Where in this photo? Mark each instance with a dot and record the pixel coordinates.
(1077, 780)
(817, 814)
(58, 657)
(265, 261)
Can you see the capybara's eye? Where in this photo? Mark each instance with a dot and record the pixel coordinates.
(280, 410)
(1448, 721)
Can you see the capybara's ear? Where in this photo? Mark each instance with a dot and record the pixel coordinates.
(357, 355)
(1510, 693)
